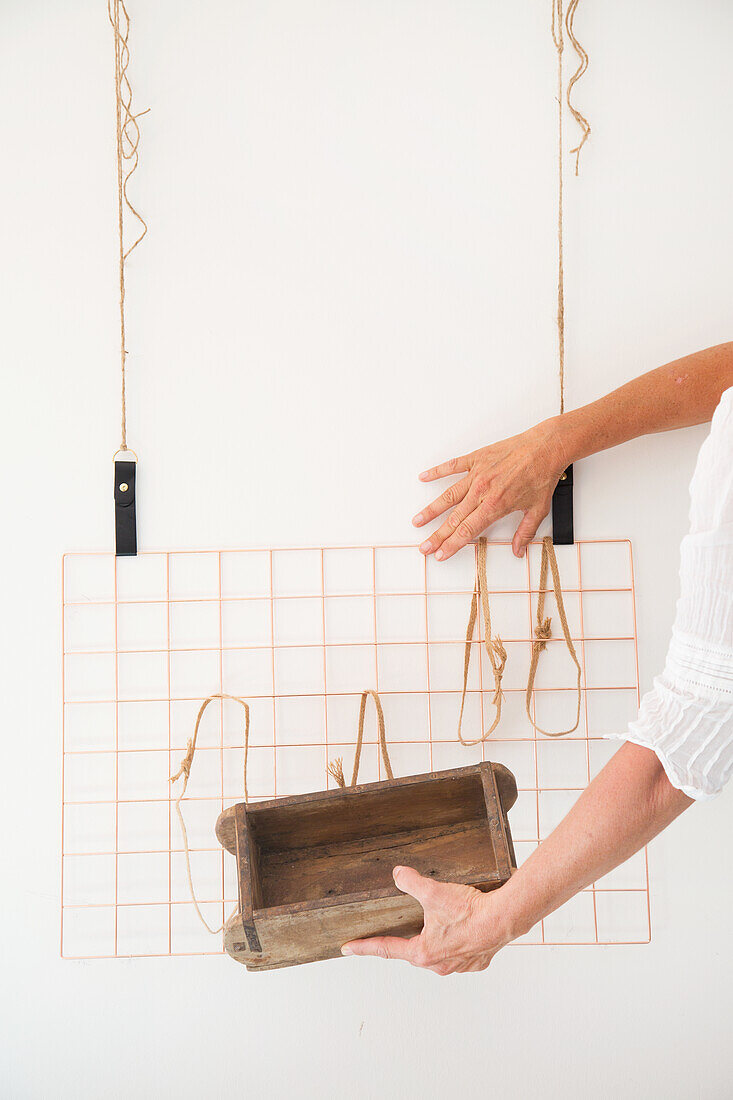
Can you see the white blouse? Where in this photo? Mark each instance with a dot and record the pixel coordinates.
(688, 718)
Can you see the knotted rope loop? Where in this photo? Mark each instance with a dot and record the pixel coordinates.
(336, 767)
(543, 633)
(185, 771)
(494, 646)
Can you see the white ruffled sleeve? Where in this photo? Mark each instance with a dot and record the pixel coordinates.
(687, 720)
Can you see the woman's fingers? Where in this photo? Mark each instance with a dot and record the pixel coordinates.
(527, 528)
(462, 527)
(453, 495)
(459, 465)
(458, 521)
(383, 947)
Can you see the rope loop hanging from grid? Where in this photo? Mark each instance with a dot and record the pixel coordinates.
(494, 646)
(543, 632)
(336, 767)
(185, 771)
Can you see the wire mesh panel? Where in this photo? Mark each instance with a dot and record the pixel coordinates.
(300, 633)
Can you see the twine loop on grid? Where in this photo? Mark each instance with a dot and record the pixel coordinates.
(336, 767)
(185, 771)
(543, 632)
(494, 647)
(496, 651)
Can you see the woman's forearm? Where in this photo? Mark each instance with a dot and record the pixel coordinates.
(520, 474)
(626, 805)
(676, 395)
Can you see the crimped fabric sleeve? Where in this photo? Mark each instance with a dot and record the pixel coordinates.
(687, 719)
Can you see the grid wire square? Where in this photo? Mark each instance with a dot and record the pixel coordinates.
(89, 879)
(350, 669)
(297, 572)
(195, 673)
(261, 722)
(608, 615)
(557, 711)
(142, 775)
(246, 623)
(562, 763)
(200, 817)
(142, 930)
(456, 575)
(610, 664)
(89, 677)
(142, 675)
(609, 711)
(623, 916)
(399, 569)
(245, 573)
(350, 619)
(606, 564)
(247, 673)
(298, 621)
(89, 726)
(567, 565)
(89, 828)
(406, 717)
(402, 667)
(89, 627)
(301, 720)
(142, 877)
(142, 626)
(195, 624)
(144, 577)
(89, 578)
(301, 769)
(401, 619)
(88, 933)
(299, 670)
(188, 935)
(574, 922)
(194, 576)
(143, 725)
(90, 776)
(143, 827)
(206, 873)
(348, 571)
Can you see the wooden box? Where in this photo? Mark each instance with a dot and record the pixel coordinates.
(315, 870)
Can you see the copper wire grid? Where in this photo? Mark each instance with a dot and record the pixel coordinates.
(123, 887)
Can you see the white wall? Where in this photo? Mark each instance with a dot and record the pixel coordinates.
(349, 274)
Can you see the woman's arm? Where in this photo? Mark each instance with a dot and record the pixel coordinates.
(520, 474)
(626, 805)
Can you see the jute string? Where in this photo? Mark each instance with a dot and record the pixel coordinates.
(336, 767)
(543, 632)
(128, 140)
(494, 647)
(185, 771)
(558, 38)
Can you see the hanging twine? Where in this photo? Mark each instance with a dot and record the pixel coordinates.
(558, 39)
(494, 647)
(582, 66)
(185, 771)
(128, 140)
(336, 767)
(543, 632)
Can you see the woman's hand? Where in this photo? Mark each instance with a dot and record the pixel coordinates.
(518, 474)
(461, 931)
